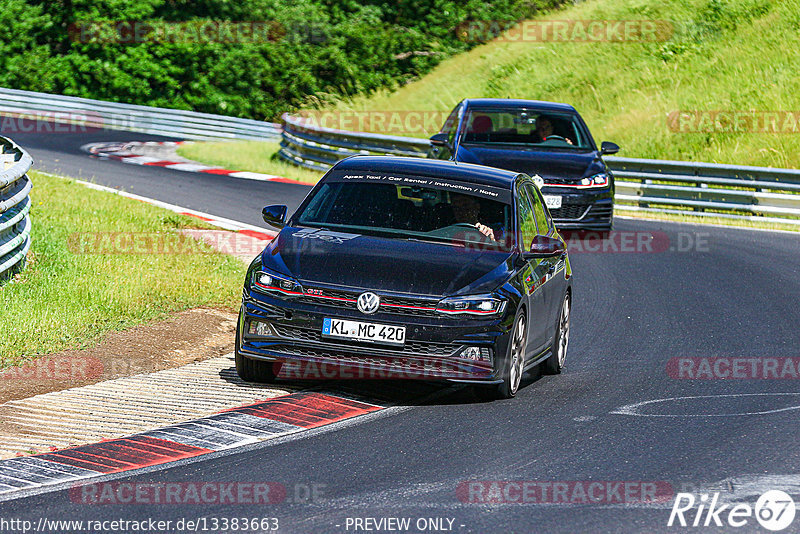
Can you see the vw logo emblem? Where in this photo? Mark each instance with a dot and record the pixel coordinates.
(368, 302)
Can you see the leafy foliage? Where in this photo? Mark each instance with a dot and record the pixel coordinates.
(339, 47)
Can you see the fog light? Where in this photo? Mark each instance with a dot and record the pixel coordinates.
(257, 328)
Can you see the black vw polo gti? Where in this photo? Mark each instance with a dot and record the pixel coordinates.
(410, 268)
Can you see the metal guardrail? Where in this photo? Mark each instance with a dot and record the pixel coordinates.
(97, 114)
(15, 205)
(702, 189)
(313, 147)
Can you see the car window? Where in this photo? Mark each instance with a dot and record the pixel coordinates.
(433, 211)
(544, 130)
(527, 221)
(542, 220)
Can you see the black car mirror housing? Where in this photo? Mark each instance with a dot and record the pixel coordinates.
(275, 215)
(439, 139)
(607, 147)
(545, 247)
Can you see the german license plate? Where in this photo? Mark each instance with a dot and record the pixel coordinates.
(356, 330)
(553, 201)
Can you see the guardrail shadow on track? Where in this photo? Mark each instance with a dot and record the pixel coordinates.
(15, 205)
(689, 188)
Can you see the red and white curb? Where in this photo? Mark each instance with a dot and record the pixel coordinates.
(129, 152)
(237, 427)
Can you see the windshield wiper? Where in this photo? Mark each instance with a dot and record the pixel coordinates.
(440, 241)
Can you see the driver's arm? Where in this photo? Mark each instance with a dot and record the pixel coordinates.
(485, 230)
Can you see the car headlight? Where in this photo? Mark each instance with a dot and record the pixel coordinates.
(598, 180)
(481, 305)
(266, 282)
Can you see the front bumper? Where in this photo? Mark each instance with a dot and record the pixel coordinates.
(590, 209)
(432, 350)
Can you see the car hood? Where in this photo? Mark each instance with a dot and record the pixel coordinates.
(380, 264)
(550, 165)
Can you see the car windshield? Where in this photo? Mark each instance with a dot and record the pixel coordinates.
(527, 127)
(426, 209)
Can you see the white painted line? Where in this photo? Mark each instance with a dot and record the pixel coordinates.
(221, 222)
(253, 176)
(189, 167)
(140, 160)
(633, 409)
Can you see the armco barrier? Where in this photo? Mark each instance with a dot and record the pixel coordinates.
(15, 204)
(97, 114)
(704, 189)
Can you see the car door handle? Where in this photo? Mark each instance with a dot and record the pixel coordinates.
(551, 269)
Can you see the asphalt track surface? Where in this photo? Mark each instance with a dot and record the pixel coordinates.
(223, 196)
(734, 294)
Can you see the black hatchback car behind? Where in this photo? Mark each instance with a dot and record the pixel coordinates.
(410, 268)
(548, 141)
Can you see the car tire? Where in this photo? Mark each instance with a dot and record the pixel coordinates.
(513, 364)
(252, 370)
(554, 364)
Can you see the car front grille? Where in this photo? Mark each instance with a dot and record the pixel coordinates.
(389, 304)
(569, 211)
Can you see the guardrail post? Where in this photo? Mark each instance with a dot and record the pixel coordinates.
(15, 205)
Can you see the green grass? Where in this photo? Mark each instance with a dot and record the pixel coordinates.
(68, 299)
(723, 55)
(253, 156)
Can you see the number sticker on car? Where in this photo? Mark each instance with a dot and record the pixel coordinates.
(553, 201)
(356, 330)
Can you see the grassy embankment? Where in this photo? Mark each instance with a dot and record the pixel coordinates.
(731, 55)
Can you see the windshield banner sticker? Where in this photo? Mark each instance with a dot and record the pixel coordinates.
(485, 191)
(336, 238)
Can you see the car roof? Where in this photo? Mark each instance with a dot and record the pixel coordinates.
(434, 168)
(512, 103)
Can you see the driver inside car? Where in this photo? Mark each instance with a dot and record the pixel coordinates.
(545, 130)
(467, 209)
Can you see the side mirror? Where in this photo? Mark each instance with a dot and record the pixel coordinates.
(439, 139)
(607, 147)
(545, 247)
(274, 215)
